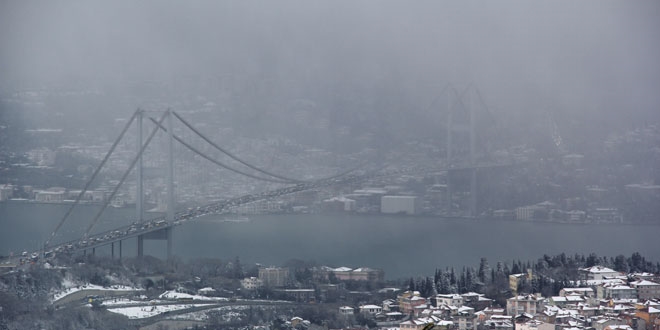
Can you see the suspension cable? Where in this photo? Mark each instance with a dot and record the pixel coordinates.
(437, 97)
(234, 157)
(459, 96)
(91, 179)
(123, 178)
(257, 168)
(481, 100)
(198, 152)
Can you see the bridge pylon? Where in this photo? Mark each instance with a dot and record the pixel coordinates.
(450, 140)
(166, 233)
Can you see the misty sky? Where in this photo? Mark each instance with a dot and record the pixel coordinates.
(593, 56)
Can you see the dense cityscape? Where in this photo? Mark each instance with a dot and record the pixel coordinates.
(526, 185)
(566, 292)
(611, 182)
(329, 165)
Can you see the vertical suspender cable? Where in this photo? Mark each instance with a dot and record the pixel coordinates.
(193, 149)
(89, 182)
(123, 178)
(232, 155)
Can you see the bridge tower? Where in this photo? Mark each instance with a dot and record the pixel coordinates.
(170, 181)
(139, 195)
(451, 130)
(165, 234)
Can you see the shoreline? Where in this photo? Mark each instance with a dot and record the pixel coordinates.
(401, 216)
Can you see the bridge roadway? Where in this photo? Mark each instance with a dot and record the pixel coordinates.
(161, 224)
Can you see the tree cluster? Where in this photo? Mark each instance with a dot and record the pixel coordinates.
(549, 275)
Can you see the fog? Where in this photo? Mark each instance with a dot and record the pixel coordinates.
(563, 155)
(597, 58)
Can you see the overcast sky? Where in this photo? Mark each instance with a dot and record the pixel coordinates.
(597, 56)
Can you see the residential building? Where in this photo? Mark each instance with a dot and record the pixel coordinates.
(367, 274)
(535, 325)
(251, 283)
(55, 194)
(41, 156)
(597, 273)
(409, 300)
(301, 295)
(516, 280)
(455, 300)
(650, 315)
(390, 305)
(646, 289)
(618, 327)
(615, 291)
(527, 212)
(477, 301)
(348, 274)
(576, 215)
(370, 309)
(586, 292)
(605, 214)
(6, 192)
(564, 301)
(399, 204)
(466, 318)
(604, 322)
(420, 323)
(530, 304)
(497, 323)
(274, 276)
(346, 310)
(338, 204)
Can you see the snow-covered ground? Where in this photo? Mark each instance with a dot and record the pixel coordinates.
(128, 302)
(228, 312)
(173, 295)
(71, 288)
(140, 312)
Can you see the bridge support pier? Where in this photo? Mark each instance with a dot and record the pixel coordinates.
(449, 193)
(94, 251)
(112, 249)
(140, 245)
(170, 231)
(473, 192)
(119, 249)
(161, 234)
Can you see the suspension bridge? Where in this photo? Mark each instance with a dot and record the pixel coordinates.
(161, 228)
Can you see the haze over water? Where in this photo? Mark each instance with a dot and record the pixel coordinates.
(402, 246)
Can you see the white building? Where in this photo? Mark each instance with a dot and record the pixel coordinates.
(587, 292)
(274, 276)
(346, 310)
(55, 194)
(6, 192)
(455, 300)
(399, 204)
(370, 309)
(535, 325)
(615, 291)
(530, 304)
(598, 273)
(251, 283)
(41, 156)
(646, 289)
(527, 212)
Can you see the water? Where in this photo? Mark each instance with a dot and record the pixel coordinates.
(402, 246)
